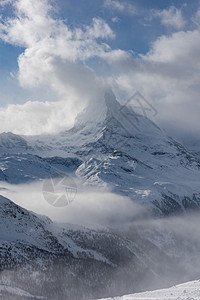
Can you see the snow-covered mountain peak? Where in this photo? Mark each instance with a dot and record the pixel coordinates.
(112, 144)
(108, 114)
(94, 113)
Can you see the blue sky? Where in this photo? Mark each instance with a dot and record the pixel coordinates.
(145, 45)
(133, 31)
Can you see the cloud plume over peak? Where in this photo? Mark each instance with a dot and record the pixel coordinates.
(54, 56)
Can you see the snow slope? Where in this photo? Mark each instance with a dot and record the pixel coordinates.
(186, 291)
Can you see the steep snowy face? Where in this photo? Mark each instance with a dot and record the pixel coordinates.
(111, 118)
(131, 154)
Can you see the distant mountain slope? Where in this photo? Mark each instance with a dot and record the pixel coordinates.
(12, 143)
(20, 168)
(26, 167)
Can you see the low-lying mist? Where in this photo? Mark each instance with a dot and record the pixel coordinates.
(166, 249)
(90, 205)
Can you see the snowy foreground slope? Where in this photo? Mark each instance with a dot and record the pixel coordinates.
(38, 256)
(186, 291)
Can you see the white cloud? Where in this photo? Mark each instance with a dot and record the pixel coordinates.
(121, 6)
(115, 20)
(181, 47)
(99, 29)
(49, 43)
(171, 17)
(114, 4)
(36, 117)
(168, 76)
